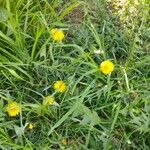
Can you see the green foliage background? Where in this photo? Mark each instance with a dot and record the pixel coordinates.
(97, 111)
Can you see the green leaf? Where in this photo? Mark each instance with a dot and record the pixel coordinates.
(13, 72)
(90, 116)
(3, 14)
(95, 118)
(68, 10)
(86, 119)
(19, 130)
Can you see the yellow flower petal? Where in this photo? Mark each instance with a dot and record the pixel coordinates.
(57, 35)
(107, 67)
(13, 109)
(60, 86)
(30, 126)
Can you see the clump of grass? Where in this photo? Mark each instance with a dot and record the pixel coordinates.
(90, 107)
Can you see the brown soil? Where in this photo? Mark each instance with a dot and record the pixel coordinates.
(77, 15)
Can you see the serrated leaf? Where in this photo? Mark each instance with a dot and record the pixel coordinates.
(86, 119)
(19, 130)
(43, 51)
(86, 110)
(95, 118)
(78, 111)
(90, 116)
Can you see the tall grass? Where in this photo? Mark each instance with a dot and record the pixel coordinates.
(96, 111)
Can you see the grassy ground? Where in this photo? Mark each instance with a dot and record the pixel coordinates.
(97, 111)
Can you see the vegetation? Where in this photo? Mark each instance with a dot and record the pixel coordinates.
(74, 74)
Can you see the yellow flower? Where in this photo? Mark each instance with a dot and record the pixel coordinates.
(30, 126)
(64, 141)
(49, 99)
(60, 86)
(57, 34)
(13, 109)
(107, 67)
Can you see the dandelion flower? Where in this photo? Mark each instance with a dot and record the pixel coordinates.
(49, 99)
(13, 109)
(57, 34)
(60, 86)
(30, 126)
(64, 141)
(107, 67)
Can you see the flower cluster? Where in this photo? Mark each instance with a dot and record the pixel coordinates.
(106, 66)
(13, 108)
